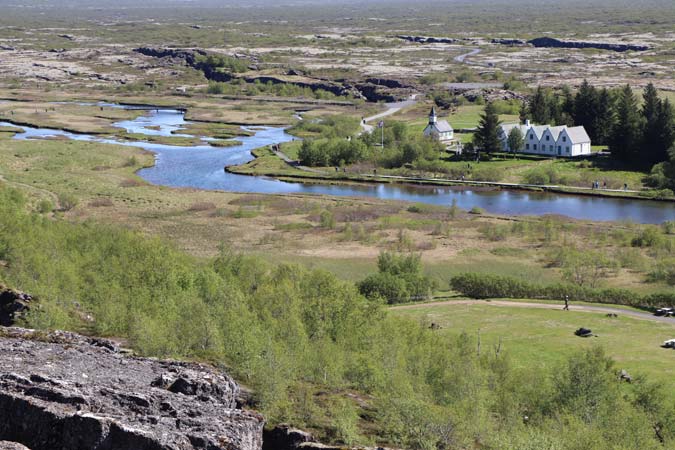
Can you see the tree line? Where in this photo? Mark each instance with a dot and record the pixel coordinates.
(639, 136)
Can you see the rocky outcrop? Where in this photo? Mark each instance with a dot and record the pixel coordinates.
(190, 57)
(311, 83)
(372, 90)
(62, 391)
(556, 43)
(285, 437)
(4, 445)
(13, 305)
(428, 39)
(510, 42)
(388, 82)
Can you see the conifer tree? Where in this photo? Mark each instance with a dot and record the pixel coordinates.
(627, 133)
(586, 108)
(524, 112)
(486, 136)
(651, 108)
(567, 107)
(665, 129)
(539, 106)
(604, 118)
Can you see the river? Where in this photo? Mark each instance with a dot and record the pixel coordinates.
(202, 167)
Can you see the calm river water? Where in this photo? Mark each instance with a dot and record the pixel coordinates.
(202, 167)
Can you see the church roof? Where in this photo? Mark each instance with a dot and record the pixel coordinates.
(443, 126)
(433, 111)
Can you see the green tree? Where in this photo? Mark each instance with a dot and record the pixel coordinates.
(516, 140)
(626, 136)
(524, 112)
(399, 279)
(651, 108)
(540, 111)
(486, 137)
(586, 106)
(567, 107)
(664, 128)
(604, 118)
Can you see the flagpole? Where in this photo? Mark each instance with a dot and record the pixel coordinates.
(381, 125)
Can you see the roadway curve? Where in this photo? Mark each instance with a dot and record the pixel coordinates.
(574, 307)
(392, 108)
(462, 58)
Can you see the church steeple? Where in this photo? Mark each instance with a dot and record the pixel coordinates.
(432, 116)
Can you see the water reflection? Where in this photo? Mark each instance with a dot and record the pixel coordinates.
(202, 167)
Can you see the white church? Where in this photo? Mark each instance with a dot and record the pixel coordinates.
(547, 140)
(439, 129)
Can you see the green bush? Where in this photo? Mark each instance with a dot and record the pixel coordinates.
(487, 173)
(45, 206)
(327, 220)
(327, 127)
(649, 236)
(399, 279)
(215, 88)
(67, 202)
(482, 286)
(333, 152)
(543, 176)
(664, 271)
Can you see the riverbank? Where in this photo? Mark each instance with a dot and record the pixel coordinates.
(270, 164)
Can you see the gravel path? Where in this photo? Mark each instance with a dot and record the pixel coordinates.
(392, 108)
(573, 307)
(461, 58)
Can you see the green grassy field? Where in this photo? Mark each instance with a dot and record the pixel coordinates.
(543, 338)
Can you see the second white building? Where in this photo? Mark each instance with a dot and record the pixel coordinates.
(546, 140)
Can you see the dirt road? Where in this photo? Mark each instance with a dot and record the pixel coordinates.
(392, 108)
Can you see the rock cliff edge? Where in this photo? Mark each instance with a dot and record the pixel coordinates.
(63, 391)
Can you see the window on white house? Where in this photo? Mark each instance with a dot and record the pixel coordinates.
(558, 148)
(564, 138)
(547, 138)
(534, 146)
(527, 146)
(568, 149)
(531, 136)
(550, 147)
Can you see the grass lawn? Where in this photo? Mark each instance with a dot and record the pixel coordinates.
(542, 338)
(466, 116)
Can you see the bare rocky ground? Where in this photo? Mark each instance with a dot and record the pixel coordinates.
(63, 391)
(91, 63)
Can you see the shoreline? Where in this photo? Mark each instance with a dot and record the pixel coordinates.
(314, 176)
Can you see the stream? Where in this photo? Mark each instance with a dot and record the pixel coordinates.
(202, 166)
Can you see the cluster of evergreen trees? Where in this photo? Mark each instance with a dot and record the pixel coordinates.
(638, 135)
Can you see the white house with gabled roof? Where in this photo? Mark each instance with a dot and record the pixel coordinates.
(439, 129)
(546, 140)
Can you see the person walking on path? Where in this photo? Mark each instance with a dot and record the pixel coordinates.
(567, 303)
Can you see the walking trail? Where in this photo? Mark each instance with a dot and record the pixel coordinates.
(50, 194)
(392, 108)
(573, 307)
(462, 58)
